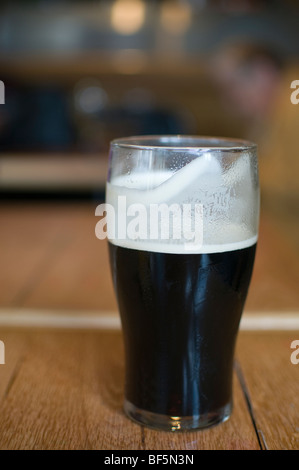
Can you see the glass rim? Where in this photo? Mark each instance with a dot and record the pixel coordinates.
(183, 142)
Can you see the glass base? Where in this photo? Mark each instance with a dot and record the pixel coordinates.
(177, 423)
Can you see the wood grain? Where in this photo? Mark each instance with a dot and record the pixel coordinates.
(272, 383)
(66, 394)
(275, 279)
(27, 244)
(64, 390)
(51, 259)
(235, 434)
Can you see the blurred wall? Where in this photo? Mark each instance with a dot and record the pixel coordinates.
(80, 73)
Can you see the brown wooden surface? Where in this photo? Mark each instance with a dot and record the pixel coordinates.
(62, 388)
(51, 258)
(272, 384)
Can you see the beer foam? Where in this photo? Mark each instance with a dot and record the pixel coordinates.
(227, 222)
(181, 249)
(165, 186)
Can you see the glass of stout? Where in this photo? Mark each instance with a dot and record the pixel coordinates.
(182, 236)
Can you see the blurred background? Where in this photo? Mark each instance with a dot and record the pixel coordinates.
(77, 74)
(80, 73)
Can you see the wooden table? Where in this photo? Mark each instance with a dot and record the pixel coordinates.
(61, 386)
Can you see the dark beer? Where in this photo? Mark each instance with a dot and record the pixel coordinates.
(182, 218)
(180, 315)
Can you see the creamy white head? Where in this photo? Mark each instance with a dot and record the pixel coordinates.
(225, 193)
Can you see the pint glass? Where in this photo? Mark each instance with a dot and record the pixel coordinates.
(182, 233)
